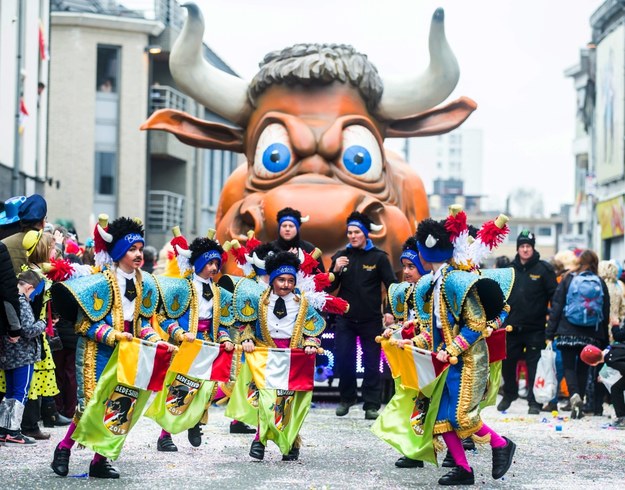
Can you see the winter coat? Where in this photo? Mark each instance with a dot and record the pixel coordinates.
(534, 285)
(27, 350)
(558, 325)
(9, 296)
(360, 283)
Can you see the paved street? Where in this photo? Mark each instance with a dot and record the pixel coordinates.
(338, 453)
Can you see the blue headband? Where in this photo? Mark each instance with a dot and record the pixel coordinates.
(204, 259)
(292, 219)
(283, 269)
(360, 225)
(434, 254)
(122, 245)
(413, 256)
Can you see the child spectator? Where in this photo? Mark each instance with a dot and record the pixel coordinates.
(17, 358)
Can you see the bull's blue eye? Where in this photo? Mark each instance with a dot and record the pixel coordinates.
(357, 159)
(276, 157)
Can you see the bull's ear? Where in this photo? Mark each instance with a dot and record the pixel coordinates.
(439, 120)
(196, 132)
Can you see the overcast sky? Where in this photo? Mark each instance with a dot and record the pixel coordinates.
(512, 59)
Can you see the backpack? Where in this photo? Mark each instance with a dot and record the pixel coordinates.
(584, 300)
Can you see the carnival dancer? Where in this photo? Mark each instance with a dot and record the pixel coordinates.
(401, 297)
(108, 307)
(461, 303)
(193, 307)
(284, 320)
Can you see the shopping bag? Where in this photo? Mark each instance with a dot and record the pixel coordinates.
(608, 376)
(546, 381)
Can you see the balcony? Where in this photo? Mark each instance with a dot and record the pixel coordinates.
(162, 144)
(166, 97)
(165, 210)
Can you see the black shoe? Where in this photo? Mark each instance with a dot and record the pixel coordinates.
(164, 444)
(534, 409)
(343, 408)
(60, 462)
(468, 444)
(238, 427)
(502, 458)
(449, 461)
(505, 403)
(257, 450)
(549, 407)
(406, 462)
(292, 456)
(16, 438)
(195, 435)
(102, 469)
(56, 420)
(371, 414)
(458, 476)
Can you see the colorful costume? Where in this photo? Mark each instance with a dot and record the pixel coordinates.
(196, 305)
(105, 307)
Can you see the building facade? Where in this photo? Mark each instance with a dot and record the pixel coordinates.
(24, 63)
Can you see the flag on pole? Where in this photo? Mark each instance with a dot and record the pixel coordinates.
(281, 369)
(112, 412)
(43, 48)
(203, 360)
(143, 364)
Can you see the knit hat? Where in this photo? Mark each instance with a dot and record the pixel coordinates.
(591, 355)
(281, 263)
(125, 232)
(203, 250)
(525, 236)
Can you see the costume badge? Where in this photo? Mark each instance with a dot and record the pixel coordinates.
(419, 411)
(119, 409)
(282, 408)
(180, 394)
(252, 394)
(248, 309)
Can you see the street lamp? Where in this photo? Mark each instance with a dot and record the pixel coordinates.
(153, 49)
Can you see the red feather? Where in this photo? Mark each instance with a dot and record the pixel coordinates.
(61, 270)
(170, 255)
(252, 243)
(309, 264)
(491, 235)
(239, 254)
(322, 281)
(224, 258)
(337, 306)
(181, 241)
(456, 224)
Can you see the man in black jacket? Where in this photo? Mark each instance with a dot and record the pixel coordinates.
(534, 285)
(360, 270)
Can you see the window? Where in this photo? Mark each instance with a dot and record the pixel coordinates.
(108, 69)
(544, 231)
(105, 172)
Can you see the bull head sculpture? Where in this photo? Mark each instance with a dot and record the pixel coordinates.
(312, 124)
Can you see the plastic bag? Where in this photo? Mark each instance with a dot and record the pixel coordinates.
(546, 381)
(609, 376)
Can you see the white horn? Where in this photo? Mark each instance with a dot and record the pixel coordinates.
(183, 252)
(107, 237)
(305, 219)
(404, 98)
(217, 90)
(375, 227)
(258, 262)
(430, 241)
